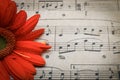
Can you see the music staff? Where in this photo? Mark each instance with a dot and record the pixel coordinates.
(82, 45)
(80, 74)
(78, 5)
(91, 30)
(64, 31)
(85, 45)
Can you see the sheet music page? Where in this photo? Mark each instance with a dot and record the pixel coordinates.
(84, 35)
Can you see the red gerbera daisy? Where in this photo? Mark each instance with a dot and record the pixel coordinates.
(18, 52)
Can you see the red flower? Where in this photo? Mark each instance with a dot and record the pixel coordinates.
(18, 51)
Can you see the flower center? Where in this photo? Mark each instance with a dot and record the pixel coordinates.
(2, 42)
(7, 42)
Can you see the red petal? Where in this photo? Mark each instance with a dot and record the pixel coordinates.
(32, 36)
(34, 59)
(8, 70)
(28, 26)
(10, 12)
(15, 67)
(31, 77)
(20, 19)
(33, 44)
(24, 46)
(31, 52)
(28, 67)
(3, 73)
(3, 5)
(44, 46)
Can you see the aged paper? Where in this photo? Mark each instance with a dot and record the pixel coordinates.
(84, 35)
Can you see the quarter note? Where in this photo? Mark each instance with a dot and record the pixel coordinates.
(113, 30)
(62, 76)
(85, 5)
(77, 31)
(61, 5)
(97, 75)
(43, 6)
(43, 75)
(75, 45)
(70, 48)
(61, 33)
(111, 73)
(60, 49)
(22, 5)
(116, 47)
(50, 75)
(48, 31)
(79, 6)
(76, 75)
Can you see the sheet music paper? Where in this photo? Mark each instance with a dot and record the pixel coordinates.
(84, 35)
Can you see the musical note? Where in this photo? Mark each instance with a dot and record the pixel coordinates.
(115, 29)
(78, 6)
(82, 72)
(61, 33)
(93, 46)
(97, 74)
(76, 74)
(92, 32)
(37, 12)
(111, 73)
(62, 76)
(28, 6)
(48, 31)
(50, 75)
(51, 5)
(77, 31)
(61, 5)
(43, 74)
(116, 47)
(60, 49)
(22, 5)
(42, 5)
(50, 0)
(85, 4)
(68, 48)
